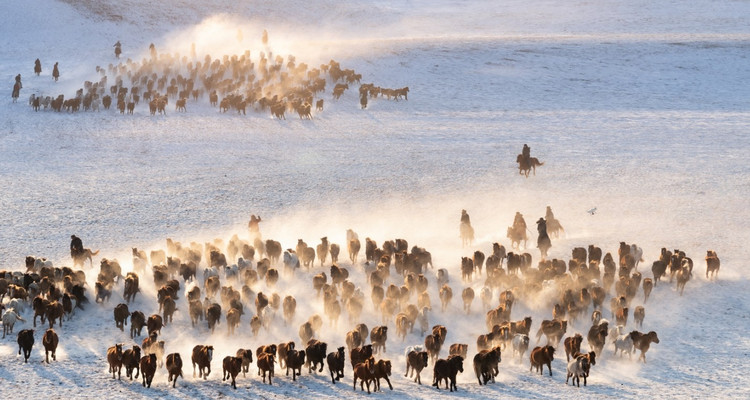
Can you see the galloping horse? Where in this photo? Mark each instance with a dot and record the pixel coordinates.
(86, 254)
(553, 225)
(543, 242)
(467, 234)
(516, 236)
(16, 91)
(525, 165)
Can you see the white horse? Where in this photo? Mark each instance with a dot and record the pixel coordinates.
(418, 348)
(577, 368)
(637, 254)
(624, 343)
(614, 331)
(291, 261)
(442, 277)
(17, 305)
(9, 320)
(520, 344)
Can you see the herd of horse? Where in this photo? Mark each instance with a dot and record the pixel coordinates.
(400, 287)
(279, 84)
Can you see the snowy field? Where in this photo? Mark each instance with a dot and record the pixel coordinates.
(639, 109)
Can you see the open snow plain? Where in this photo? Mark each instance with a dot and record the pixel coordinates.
(639, 110)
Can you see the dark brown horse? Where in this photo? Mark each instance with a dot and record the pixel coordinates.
(541, 356)
(526, 165)
(543, 242)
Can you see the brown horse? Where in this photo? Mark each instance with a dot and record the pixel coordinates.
(79, 259)
(526, 165)
(517, 236)
(573, 345)
(553, 330)
(712, 264)
(642, 342)
(446, 370)
(16, 91)
(541, 356)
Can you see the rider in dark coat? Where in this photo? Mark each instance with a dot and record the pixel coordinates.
(526, 152)
(76, 246)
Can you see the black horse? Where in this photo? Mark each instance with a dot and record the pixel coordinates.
(543, 242)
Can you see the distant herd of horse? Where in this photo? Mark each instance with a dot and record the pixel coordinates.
(400, 289)
(270, 83)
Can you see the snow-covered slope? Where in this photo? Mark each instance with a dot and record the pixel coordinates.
(638, 109)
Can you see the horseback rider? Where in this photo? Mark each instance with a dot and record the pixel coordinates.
(526, 152)
(519, 224)
(37, 67)
(465, 218)
(55, 72)
(518, 221)
(541, 227)
(253, 226)
(465, 229)
(118, 49)
(16, 88)
(76, 246)
(543, 242)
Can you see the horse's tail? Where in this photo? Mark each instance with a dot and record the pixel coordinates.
(93, 253)
(539, 334)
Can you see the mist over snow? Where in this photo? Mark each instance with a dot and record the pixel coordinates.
(638, 109)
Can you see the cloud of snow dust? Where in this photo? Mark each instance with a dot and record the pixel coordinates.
(223, 34)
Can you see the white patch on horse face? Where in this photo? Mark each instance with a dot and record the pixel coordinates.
(210, 354)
